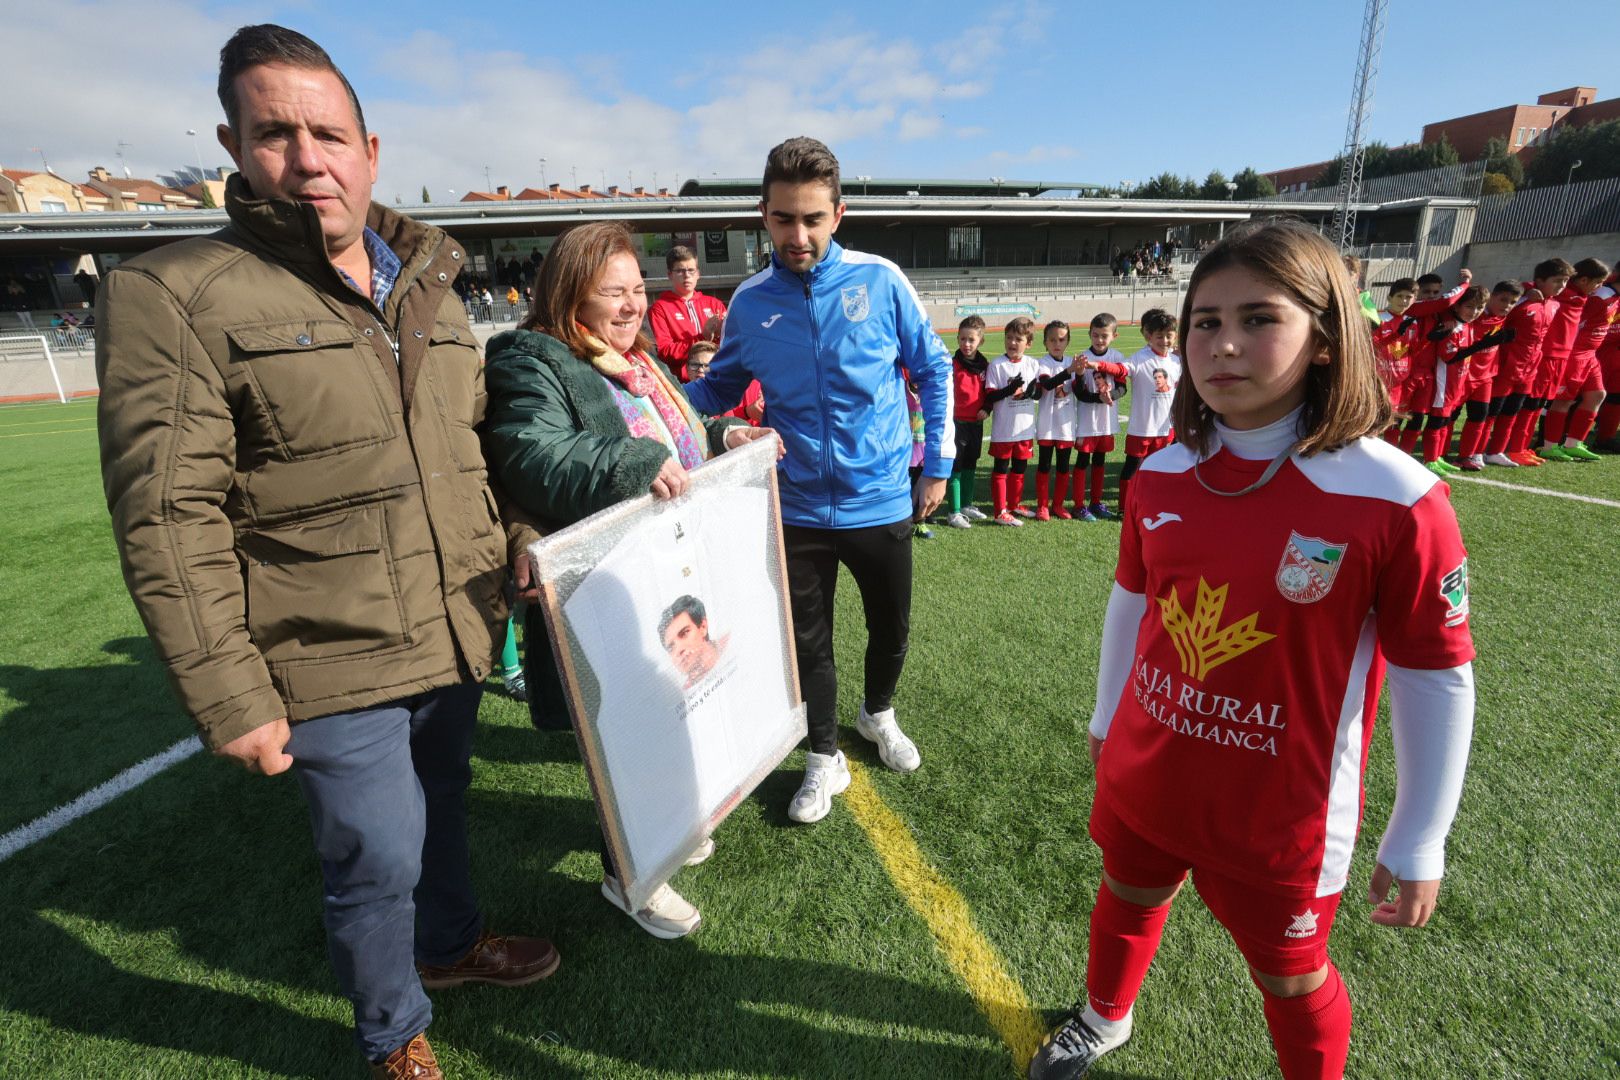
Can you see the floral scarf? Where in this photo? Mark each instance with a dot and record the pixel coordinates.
(650, 404)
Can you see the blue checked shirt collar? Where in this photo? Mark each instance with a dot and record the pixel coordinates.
(385, 268)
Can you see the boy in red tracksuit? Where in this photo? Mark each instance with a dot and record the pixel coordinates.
(1608, 357)
(1509, 441)
(967, 391)
(1577, 380)
(681, 315)
(1482, 376)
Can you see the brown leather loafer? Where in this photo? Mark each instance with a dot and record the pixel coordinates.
(504, 961)
(413, 1061)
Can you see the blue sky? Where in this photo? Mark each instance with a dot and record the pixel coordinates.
(629, 92)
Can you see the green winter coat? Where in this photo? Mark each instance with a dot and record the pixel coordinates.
(557, 444)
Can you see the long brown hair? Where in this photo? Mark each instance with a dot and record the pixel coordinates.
(1344, 399)
(567, 277)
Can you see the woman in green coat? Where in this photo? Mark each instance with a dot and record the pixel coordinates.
(582, 415)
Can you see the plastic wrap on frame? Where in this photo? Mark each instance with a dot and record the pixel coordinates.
(565, 560)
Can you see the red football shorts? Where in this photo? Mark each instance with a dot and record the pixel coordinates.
(1095, 444)
(1143, 445)
(1580, 377)
(1061, 444)
(1018, 451)
(1278, 932)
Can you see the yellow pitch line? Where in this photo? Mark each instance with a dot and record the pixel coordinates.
(57, 431)
(973, 959)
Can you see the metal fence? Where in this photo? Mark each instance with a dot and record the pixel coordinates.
(1459, 181)
(1565, 210)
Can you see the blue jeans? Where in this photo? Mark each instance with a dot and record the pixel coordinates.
(385, 791)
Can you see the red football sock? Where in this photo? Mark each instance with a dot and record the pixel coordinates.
(1409, 438)
(1392, 434)
(1434, 441)
(1043, 485)
(1473, 437)
(1552, 428)
(1060, 489)
(1311, 1033)
(1608, 422)
(1015, 490)
(1501, 429)
(1098, 476)
(1580, 424)
(1124, 937)
(998, 491)
(1524, 425)
(1124, 486)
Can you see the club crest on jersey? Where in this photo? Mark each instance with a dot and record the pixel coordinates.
(1202, 643)
(1454, 588)
(857, 306)
(1308, 568)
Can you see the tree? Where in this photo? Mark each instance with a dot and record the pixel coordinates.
(1506, 165)
(425, 196)
(1495, 183)
(1595, 146)
(1167, 185)
(1214, 185)
(1251, 185)
(208, 198)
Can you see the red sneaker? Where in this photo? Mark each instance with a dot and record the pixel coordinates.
(1527, 457)
(1062, 514)
(1042, 514)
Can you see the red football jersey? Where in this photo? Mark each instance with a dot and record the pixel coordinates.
(1529, 320)
(1598, 315)
(1482, 365)
(1240, 739)
(677, 323)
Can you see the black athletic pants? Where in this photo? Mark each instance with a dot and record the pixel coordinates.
(879, 559)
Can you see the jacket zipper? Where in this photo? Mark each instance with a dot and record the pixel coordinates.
(821, 393)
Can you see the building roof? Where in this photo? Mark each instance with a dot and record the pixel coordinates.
(888, 185)
(134, 188)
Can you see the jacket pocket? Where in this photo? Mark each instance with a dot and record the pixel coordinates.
(323, 587)
(451, 373)
(315, 384)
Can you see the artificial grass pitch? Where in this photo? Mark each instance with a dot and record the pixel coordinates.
(176, 932)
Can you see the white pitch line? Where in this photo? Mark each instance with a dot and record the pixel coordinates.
(1537, 491)
(32, 833)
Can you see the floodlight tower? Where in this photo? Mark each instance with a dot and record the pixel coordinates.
(1344, 212)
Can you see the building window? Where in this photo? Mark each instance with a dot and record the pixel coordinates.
(1521, 138)
(965, 246)
(52, 206)
(151, 206)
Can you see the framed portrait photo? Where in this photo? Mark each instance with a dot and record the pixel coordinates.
(671, 629)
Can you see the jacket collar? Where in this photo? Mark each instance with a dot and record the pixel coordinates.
(290, 232)
(834, 256)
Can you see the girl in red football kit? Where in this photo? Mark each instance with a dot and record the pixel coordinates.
(1276, 565)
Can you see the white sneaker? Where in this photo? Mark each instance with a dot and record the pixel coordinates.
(667, 915)
(704, 850)
(898, 752)
(1502, 460)
(973, 513)
(959, 520)
(825, 775)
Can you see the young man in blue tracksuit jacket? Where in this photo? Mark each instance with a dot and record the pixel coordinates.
(827, 332)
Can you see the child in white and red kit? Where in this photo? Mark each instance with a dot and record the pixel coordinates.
(1096, 418)
(1010, 390)
(1277, 566)
(1154, 372)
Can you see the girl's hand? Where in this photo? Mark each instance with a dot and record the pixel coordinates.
(1096, 745)
(984, 414)
(737, 436)
(1413, 904)
(671, 481)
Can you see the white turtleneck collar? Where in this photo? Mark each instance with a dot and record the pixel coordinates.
(1260, 444)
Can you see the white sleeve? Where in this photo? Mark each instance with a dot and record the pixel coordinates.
(1431, 722)
(1120, 624)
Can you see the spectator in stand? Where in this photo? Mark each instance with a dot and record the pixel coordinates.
(512, 296)
(682, 315)
(86, 281)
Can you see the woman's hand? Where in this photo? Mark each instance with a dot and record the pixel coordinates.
(737, 436)
(672, 480)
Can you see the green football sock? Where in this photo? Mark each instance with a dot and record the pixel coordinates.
(953, 491)
(970, 483)
(509, 653)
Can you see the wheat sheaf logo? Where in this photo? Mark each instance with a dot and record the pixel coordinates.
(1201, 641)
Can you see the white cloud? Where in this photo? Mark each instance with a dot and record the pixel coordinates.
(145, 76)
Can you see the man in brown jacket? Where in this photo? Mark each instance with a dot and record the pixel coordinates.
(301, 506)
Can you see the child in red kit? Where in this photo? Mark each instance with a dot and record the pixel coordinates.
(1577, 385)
(1154, 371)
(1278, 564)
(1608, 357)
(1479, 401)
(1456, 341)
(967, 391)
(1518, 365)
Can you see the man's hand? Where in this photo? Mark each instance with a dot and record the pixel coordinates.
(525, 588)
(671, 481)
(929, 493)
(262, 750)
(1413, 903)
(737, 436)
